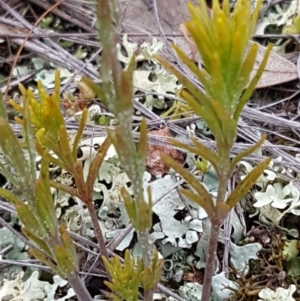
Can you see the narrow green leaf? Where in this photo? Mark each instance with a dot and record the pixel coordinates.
(79, 180)
(196, 198)
(45, 209)
(28, 219)
(29, 140)
(255, 15)
(8, 175)
(253, 83)
(69, 247)
(128, 262)
(144, 216)
(157, 272)
(202, 99)
(45, 142)
(59, 163)
(44, 201)
(65, 149)
(56, 92)
(45, 260)
(152, 274)
(244, 186)
(47, 111)
(191, 65)
(247, 152)
(290, 29)
(247, 68)
(297, 23)
(237, 52)
(64, 261)
(228, 125)
(66, 189)
(22, 89)
(204, 199)
(39, 242)
(201, 32)
(9, 195)
(143, 144)
(125, 92)
(130, 207)
(113, 288)
(200, 150)
(79, 133)
(40, 150)
(107, 264)
(14, 153)
(130, 69)
(97, 89)
(3, 112)
(209, 118)
(96, 164)
(218, 87)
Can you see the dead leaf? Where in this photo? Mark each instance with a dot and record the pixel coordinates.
(138, 17)
(278, 70)
(156, 166)
(259, 234)
(196, 276)
(75, 105)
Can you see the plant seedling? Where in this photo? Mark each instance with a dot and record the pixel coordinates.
(34, 206)
(221, 39)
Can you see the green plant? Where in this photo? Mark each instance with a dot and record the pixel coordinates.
(51, 134)
(221, 40)
(116, 92)
(34, 204)
(178, 109)
(125, 277)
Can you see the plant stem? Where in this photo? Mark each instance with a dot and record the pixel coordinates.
(97, 229)
(98, 233)
(148, 295)
(146, 248)
(147, 259)
(216, 223)
(211, 254)
(79, 288)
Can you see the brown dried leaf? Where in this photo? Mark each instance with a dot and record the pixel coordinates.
(259, 234)
(156, 166)
(73, 106)
(139, 17)
(278, 69)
